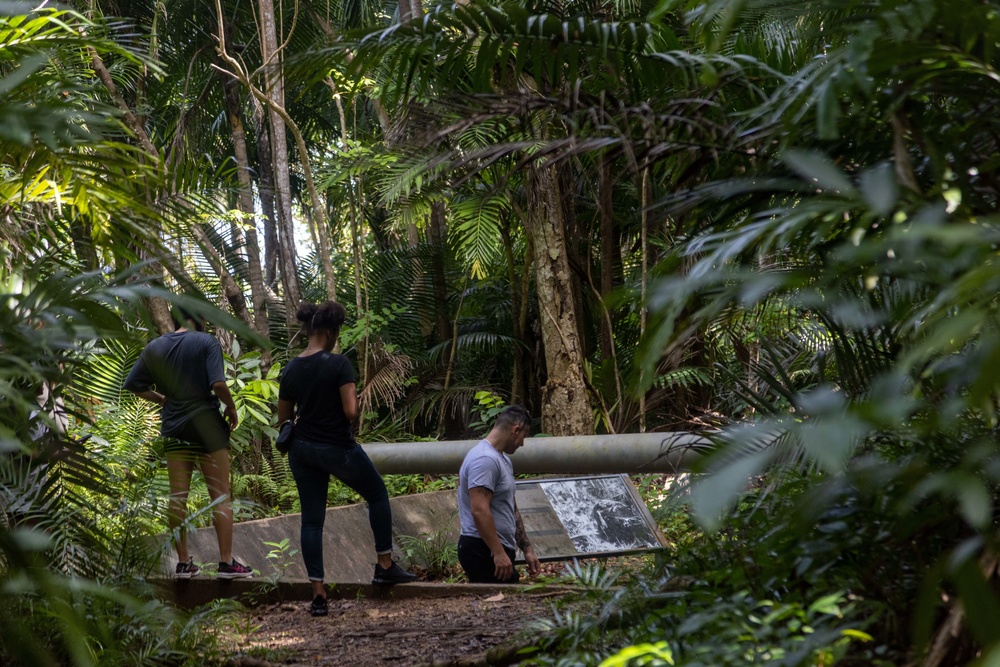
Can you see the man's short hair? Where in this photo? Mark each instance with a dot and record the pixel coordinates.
(513, 415)
(182, 316)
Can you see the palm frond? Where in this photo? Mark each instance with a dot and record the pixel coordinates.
(387, 376)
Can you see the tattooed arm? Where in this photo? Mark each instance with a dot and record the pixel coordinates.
(524, 544)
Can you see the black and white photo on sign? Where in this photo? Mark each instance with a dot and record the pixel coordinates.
(599, 514)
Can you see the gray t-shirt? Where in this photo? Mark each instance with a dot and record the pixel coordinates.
(485, 466)
(182, 366)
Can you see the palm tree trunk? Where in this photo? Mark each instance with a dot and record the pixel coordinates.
(565, 402)
(409, 9)
(646, 194)
(517, 388)
(255, 276)
(83, 243)
(265, 190)
(531, 362)
(608, 250)
(356, 246)
(275, 91)
(316, 217)
(273, 96)
(436, 234)
(232, 292)
(158, 308)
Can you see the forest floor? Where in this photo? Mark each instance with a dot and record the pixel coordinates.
(457, 630)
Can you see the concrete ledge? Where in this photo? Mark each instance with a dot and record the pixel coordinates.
(191, 593)
(348, 544)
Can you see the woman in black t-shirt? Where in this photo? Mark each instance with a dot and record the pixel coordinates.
(319, 390)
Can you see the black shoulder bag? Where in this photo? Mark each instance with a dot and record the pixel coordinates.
(285, 434)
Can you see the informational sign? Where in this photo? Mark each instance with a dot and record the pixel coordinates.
(586, 516)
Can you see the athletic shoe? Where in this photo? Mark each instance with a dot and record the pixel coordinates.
(318, 607)
(234, 570)
(392, 575)
(186, 570)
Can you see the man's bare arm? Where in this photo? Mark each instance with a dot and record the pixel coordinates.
(222, 392)
(152, 396)
(482, 515)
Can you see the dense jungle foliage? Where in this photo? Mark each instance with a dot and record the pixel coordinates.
(770, 221)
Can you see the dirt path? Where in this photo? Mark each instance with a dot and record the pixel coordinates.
(405, 632)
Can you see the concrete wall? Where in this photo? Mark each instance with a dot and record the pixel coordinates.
(348, 545)
(349, 548)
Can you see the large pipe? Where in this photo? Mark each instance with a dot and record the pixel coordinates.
(572, 455)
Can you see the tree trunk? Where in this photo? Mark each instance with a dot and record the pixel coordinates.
(436, 235)
(158, 308)
(644, 238)
(275, 91)
(265, 190)
(517, 382)
(609, 251)
(81, 230)
(409, 9)
(574, 238)
(519, 316)
(356, 245)
(451, 423)
(255, 276)
(565, 403)
(232, 292)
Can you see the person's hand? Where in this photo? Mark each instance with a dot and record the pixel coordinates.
(503, 568)
(232, 417)
(534, 565)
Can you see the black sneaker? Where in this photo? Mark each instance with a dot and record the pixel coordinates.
(186, 570)
(392, 575)
(318, 606)
(234, 570)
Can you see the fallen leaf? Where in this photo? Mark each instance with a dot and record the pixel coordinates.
(495, 598)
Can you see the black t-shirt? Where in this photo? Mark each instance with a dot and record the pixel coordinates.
(182, 366)
(313, 384)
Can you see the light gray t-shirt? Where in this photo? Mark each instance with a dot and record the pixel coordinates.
(485, 466)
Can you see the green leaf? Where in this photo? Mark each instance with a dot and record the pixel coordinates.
(857, 634)
(827, 110)
(879, 188)
(974, 499)
(828, 604)
(817, 169)
(982, 608)
(990, 657)
(641, 654)
(719, 490)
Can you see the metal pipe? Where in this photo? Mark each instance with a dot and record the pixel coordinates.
(570, 455)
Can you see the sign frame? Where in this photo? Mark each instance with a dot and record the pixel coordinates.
(588, 532)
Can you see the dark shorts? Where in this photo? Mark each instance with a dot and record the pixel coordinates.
(476, 559)
(204, 433)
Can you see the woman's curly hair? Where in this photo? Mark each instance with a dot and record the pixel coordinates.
(329, 315)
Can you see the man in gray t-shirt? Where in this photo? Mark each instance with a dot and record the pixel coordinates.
(492, 529)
